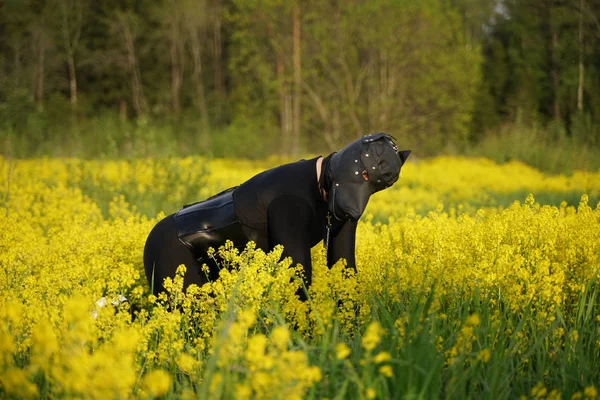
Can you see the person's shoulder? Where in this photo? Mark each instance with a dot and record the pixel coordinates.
(299, 174)
(300, 165)
(296, 178)
(296, 171)
(293, 180)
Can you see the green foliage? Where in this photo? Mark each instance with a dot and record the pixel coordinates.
(535, 147)
(221, 77)
(540, 69)
(404, 67)
(378, 65)
(467, 346)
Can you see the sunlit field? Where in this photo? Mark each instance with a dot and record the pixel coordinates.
(475, 280)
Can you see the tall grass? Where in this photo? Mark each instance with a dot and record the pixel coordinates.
(556, 153)
(107, 135)
(458, 347)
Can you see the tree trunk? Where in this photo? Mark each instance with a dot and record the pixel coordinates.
(122, 111)
(39, 44)
(555, 74)
(198, 81)
(383, 79)
(336, 128)
(73, 90)
(176, 67)
(40, 69)
(288, 116)
(343, 78)
(217, 61)
(70, 42)
(285, 107)
(72, 82)
(296, 126)
(283, 95)
(349, 91)
(17, 63)
(371, 94)
(581, 70)
(137, 91)
(328, 131)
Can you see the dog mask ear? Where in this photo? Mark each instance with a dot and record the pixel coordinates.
(403, 155)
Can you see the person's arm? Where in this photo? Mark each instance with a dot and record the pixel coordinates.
(289, 224)
(342, 244)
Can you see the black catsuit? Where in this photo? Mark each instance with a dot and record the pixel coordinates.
(278, 206)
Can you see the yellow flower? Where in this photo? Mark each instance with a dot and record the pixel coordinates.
(261, 381)
(14, 382)
(370, 393)
(484, 355)
(64, 246)
(280, 337)
(473, 320)
(574, 335)
(215, 382)
(342, 351)
(539, 391)
(590, 392)
(554, 395)
(255, 352)
(157, 383)
(44, 345)
(386, 370)
(243, 391)
(372, 336)
(382, 357)
(6, 343)
(187, 363)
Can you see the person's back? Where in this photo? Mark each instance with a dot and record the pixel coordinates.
(284, 206)
(291, 186)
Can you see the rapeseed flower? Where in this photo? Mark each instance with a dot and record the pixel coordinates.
(372, 336)
(484, 355)
(590, 392)
(280, 337)
(386, 370)
(342, 351)
(157, 383)
(382, 357)
(370, 393)
(72, 232)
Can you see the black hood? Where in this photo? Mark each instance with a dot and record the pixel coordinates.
(367, 165)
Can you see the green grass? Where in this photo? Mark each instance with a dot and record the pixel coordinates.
(560, 154)
(109, 136)
(526, 353)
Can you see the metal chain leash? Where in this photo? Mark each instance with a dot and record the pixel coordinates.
(328, 228)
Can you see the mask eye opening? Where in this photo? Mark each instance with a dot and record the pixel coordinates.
(365, 175)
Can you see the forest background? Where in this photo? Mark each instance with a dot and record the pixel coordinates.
(506, 79)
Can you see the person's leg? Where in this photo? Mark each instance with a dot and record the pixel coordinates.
(164, 252)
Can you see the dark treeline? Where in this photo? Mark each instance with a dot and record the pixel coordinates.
(257, 77)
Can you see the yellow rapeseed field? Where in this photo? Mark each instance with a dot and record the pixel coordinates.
(461, 292)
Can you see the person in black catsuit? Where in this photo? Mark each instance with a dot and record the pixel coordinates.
(295, 205)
